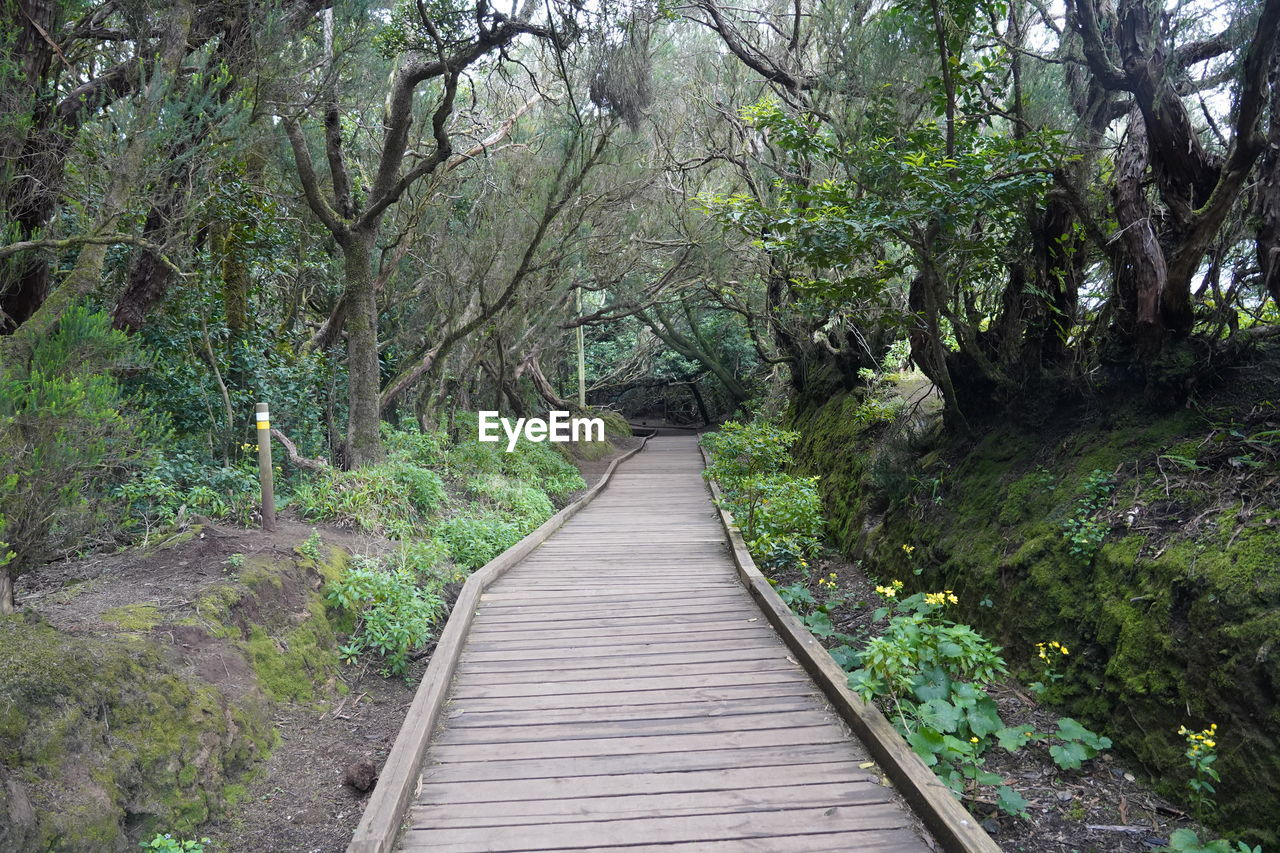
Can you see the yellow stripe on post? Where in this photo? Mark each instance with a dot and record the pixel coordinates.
(264, 424)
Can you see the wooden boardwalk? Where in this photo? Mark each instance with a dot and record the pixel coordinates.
(620, 689)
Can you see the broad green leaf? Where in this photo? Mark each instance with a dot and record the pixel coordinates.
(941, 715)
(1011, 802)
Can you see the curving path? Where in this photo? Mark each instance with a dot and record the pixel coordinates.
(620, 690)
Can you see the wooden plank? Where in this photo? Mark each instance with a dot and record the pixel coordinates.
(888, 841)
(663, 762)
(629, 728)
(525, 614)
(745, 632)
(625, 687)
(570, 787)
(581, 597)
(462, 719)
(671, 622)
(742, 692)
(816, 733)
(640, 656)
(748, 799)
(639, 671)
(665, 830)
(641, 647)
(502, 593)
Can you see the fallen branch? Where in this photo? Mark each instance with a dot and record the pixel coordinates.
(301, 461)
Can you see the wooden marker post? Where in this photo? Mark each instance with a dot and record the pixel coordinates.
(582, 359)
(263, 418)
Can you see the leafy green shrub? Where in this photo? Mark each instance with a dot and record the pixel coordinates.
(394, 616)
(412, 445)
(790, 505)
(933, 675)
(780, 515)
(741, 452)
(66, 433)
(474, 540)
(254, 366)
(1082, 530)
(533, 463)
(179, 485)
(392, 497)
(423, 488)
(420, 557)
(528, 506)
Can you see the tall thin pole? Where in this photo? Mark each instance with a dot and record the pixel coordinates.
(263, 418)
(582, 359)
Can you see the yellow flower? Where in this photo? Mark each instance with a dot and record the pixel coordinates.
(908, 549)
(898, 584)
(1211, 744)
(887, 591)
(973, 740)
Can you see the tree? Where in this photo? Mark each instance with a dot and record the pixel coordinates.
(441, 48)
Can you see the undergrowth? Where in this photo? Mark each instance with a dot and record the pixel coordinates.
(453, 505)
(928, 673)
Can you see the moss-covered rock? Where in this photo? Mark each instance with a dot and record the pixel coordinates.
(1169, 622)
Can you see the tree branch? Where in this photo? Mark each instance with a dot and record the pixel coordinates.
(91, 240)
(310, 184)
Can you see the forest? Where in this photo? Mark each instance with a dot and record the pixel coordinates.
(983, 296)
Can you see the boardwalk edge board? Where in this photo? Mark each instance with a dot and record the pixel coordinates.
(951, 824)
(389, 803)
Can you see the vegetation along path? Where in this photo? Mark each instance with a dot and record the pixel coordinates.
(595, 708)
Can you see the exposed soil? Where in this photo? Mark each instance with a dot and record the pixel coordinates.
(299, 800)
(168, 573)
(1100, 808)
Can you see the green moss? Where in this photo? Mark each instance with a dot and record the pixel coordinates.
(589, 450)
(134, 617)
(614, 422)
(213, 610)
(290, 667)
(333, 561)
(261, 571)
(176, 539)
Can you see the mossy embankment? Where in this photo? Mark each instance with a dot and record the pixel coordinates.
(131, 705)
(1168, 593)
